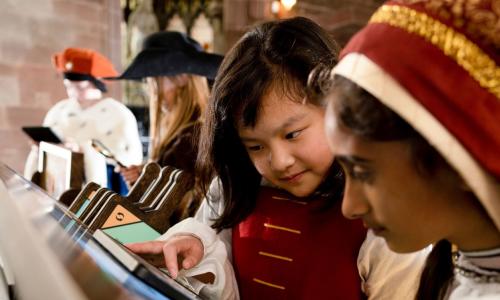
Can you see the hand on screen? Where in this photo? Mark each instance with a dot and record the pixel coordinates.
(180, 250)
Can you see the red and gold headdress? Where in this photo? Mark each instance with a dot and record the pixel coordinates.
(436, 64)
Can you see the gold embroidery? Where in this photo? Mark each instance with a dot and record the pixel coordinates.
(275, 256)
(453, 44)
(286, 199)
(479, 18)
(281, 228)
(269, 284)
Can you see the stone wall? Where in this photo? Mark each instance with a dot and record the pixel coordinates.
(32, 30)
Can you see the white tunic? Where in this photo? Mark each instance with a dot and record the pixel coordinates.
(109, 121)
(384, 274)
(479, 277)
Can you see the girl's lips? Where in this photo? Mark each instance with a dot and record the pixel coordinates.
(294, 178)
(377, 229)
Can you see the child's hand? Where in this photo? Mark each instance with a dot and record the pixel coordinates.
(184, 250)
(131, 173)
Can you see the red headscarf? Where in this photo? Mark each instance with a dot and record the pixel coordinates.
(436, 64)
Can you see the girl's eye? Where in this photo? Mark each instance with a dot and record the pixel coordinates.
(293, 134)
(360, 174)
(254, 148)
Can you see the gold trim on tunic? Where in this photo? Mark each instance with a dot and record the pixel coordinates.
(275, 256)
(282, 228)
(269, 284)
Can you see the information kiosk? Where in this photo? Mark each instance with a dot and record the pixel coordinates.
(41, 259)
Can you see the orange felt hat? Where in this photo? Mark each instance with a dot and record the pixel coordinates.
(83, 61)
(436, 63)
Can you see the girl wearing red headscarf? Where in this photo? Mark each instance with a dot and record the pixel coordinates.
(413, 119)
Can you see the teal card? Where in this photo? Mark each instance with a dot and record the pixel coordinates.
(132, 233)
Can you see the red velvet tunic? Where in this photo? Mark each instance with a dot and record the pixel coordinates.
(292, 249)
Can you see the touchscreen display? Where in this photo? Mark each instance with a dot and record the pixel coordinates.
(85, 261)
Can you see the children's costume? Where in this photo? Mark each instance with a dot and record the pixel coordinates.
(436, 64)
(289, 248)
(477, 275)
(170, 53)
(108, 120)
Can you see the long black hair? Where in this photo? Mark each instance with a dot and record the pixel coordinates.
(278, 55)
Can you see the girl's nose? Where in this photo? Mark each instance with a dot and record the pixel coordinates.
(354, 204)
(280, 159)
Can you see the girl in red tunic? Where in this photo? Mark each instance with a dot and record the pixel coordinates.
(274, 209)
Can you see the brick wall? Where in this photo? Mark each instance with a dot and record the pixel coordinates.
(32, 30)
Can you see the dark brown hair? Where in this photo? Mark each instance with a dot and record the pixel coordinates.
(364, 116)
(278, 55)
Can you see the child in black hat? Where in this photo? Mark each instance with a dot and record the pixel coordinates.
(176, 70)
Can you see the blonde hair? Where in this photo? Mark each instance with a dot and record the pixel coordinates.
(188, 106)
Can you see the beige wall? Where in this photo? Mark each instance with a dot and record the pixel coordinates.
(31, 31)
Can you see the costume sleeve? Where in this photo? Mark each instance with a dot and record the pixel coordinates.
(57, 119)
(54, 114)
(94, 164)
(386, 274)
(217, 248)
(129, 148)
(211, 208)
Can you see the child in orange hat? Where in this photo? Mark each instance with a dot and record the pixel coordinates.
(87, 115)
(413, 119)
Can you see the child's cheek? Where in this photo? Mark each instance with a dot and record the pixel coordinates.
(262, 168)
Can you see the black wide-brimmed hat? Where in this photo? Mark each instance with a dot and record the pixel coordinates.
(170, 53)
